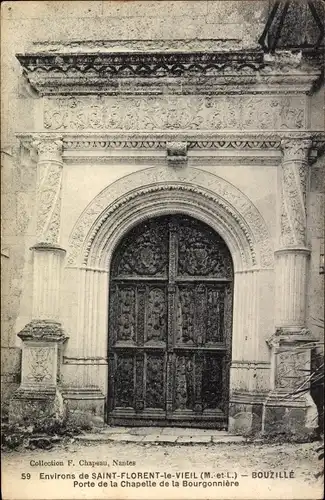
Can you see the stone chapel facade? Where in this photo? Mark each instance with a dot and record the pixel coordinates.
(163, 216)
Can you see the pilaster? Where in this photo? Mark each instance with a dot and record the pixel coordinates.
(249, 371)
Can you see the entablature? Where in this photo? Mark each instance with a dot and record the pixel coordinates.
(241, 148)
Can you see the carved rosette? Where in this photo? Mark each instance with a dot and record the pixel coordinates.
(294, 186)
(50, 164)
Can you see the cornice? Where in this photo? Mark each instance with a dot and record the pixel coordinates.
(157, 141)
(178, 72)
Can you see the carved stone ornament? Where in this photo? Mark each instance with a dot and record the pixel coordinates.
(296, 149)
(49, 187)
(50, 146)
(48, 246)
(294, 186)
(38, 365)
(291, 358)
(227, 201)
(194, 72)
(291, 367)
(173, 112)
(82, 142)
(177, 154)
(44, 331)
(281, 336)
(209, 140)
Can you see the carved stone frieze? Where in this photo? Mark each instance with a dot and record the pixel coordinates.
(173, 112)
(238, 144)
(294, 185)
(102, 143)
(156, 140)
(49, 187)
(212, 188)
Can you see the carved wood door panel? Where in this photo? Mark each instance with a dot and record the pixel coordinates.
(170, 325)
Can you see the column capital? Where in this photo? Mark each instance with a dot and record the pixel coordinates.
(48, 145)
(296, 148)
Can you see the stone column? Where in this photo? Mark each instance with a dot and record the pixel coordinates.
(38, 396)
(293, 254)
(289, 407)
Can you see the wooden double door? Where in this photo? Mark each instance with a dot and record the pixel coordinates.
(170, 325)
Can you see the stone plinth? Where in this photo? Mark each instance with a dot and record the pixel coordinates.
(84, 405)
(38, 396)
(289, 407)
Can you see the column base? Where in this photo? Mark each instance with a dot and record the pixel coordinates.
(246, 412)
(289, 408)
(272, 414)
(30, 406)
(84, 405)
(38, 400)
(290, 416)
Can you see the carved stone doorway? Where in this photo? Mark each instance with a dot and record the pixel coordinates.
(170, 323)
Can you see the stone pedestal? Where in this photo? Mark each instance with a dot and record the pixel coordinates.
(289, 408)
(84, 405)
(38, 396)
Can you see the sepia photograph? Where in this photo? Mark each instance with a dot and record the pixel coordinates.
(162, 249)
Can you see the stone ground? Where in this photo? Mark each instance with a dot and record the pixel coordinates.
(232, 461)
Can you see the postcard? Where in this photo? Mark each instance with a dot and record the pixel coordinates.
(162, 249)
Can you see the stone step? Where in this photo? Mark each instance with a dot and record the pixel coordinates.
(161, 436)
